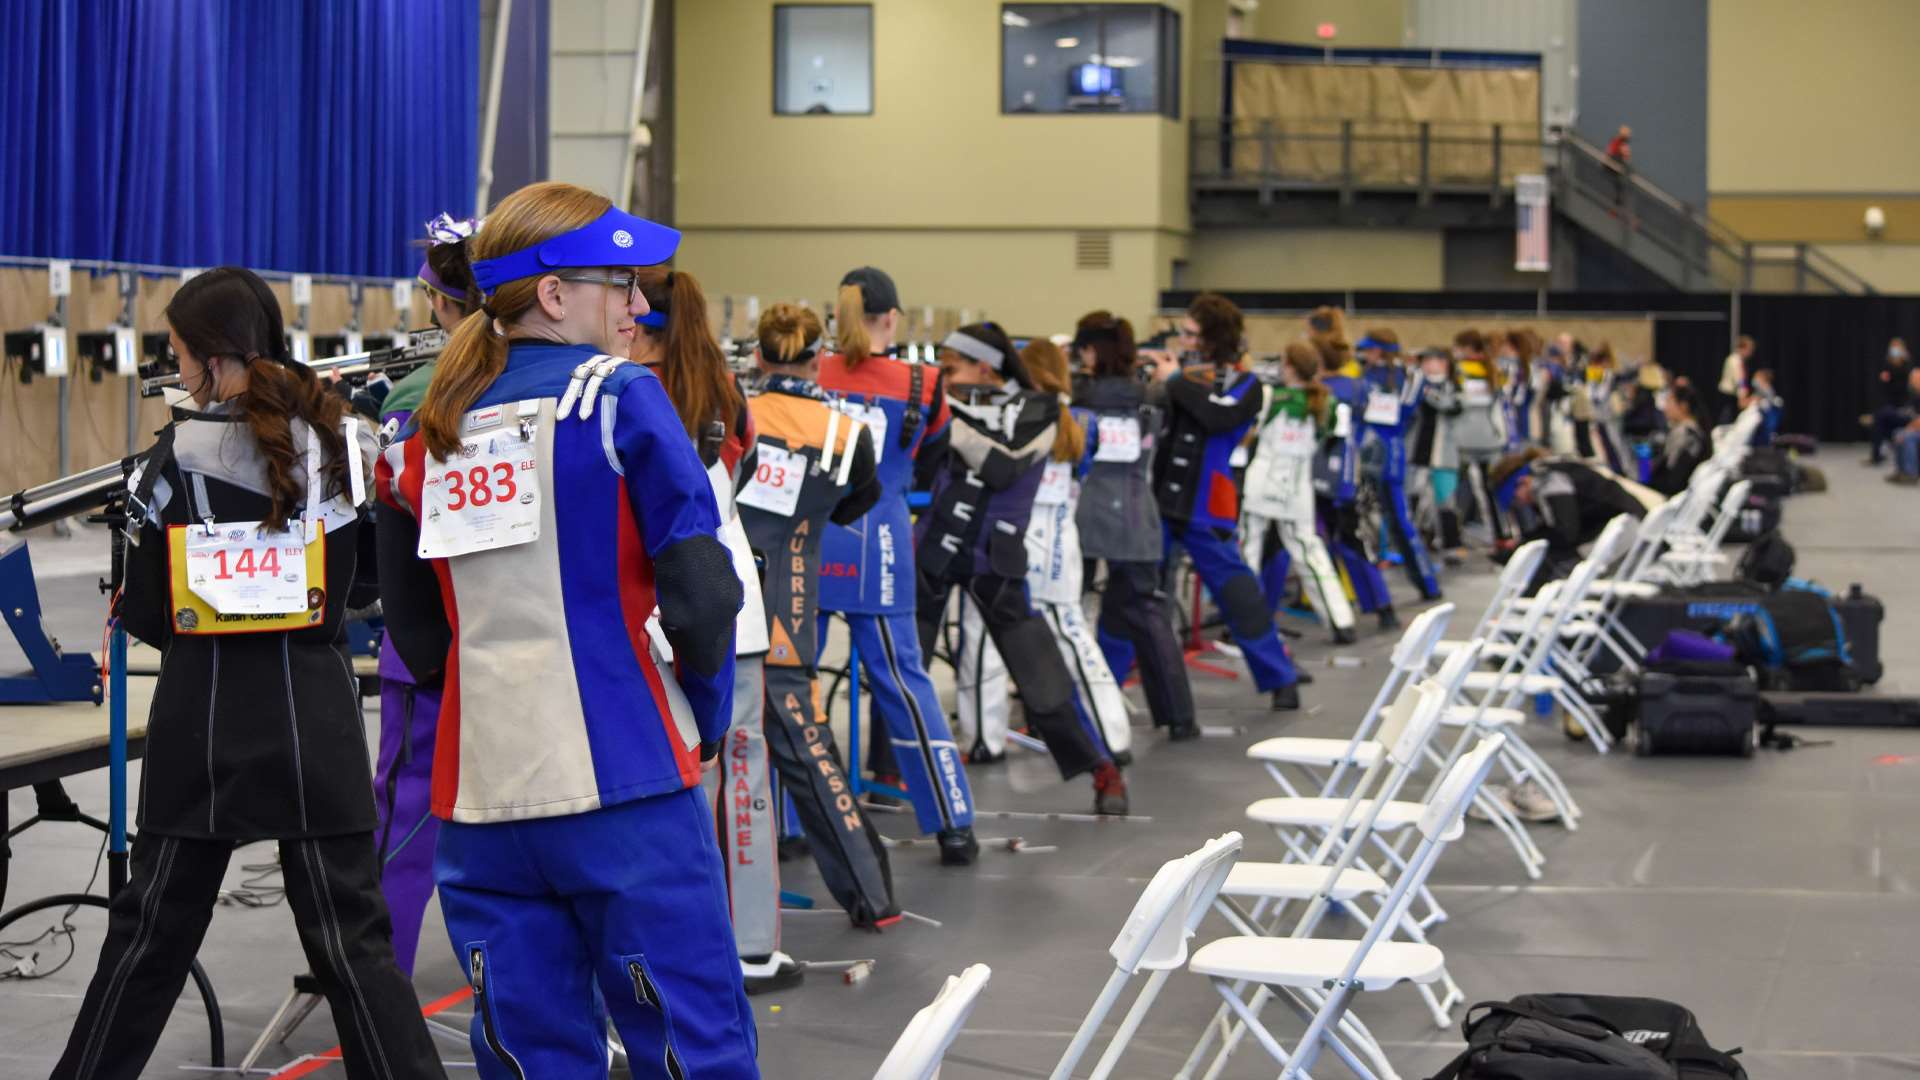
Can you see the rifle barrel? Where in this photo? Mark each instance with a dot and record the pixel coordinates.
(424, 346)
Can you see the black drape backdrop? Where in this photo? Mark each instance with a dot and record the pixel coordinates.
(1825, 351)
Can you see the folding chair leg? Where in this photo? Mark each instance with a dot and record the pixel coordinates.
(1280, 777)
(1435, 913)
(1249, 1017)
(1516, 833)
(1308, 1050)
(1550, 781)
(1306, 1002)
(1130, 1024)
(1577, 706)
(1109, 994)
(1435, 1008)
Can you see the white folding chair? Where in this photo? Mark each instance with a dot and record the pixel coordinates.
(1153, 939)
(1689, 526)
(1503, 694)
(1630, 581)
(1318, 978)
(916, 1054)
(1692, 565)
(1577, 622)
(1335, 869)
(1408, 660)
(1504, 607)
(1339, 829)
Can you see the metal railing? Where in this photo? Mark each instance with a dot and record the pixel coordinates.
(1709, 251)
(1424, 158)
(1271, 157)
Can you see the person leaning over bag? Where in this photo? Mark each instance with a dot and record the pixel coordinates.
(245, 522)
(558, 503)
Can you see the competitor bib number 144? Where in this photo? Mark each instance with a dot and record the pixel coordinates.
(488, 495)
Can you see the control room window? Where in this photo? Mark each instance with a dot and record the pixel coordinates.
(822, 59)
(1089, 58)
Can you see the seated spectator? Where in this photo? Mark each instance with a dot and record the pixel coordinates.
(1896, 399)
(1906, 441)
(1687, 444)
(1760, 395)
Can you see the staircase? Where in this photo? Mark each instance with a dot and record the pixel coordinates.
(1683, 246)
(1361, 173)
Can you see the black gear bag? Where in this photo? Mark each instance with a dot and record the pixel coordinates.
(1586, 1037)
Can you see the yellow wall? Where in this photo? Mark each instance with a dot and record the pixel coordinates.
(1890, 268)
(1812, 97)
(1808, 124)
(962, 204)
(1316, 259)
(1023, 279)
(1379, 23)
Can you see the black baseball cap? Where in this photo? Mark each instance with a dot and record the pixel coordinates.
(877, 291)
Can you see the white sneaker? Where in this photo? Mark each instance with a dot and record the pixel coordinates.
(1496, 792)
(1531, 803)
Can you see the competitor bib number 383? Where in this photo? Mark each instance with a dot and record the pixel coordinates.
(488, 495)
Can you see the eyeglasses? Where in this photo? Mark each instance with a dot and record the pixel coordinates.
(629, 281)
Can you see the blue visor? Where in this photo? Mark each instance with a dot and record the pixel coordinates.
(1505, 492)
(1383, 346)
(615, 238)
(655, 319)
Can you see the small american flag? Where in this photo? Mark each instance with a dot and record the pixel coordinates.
(1532, 213)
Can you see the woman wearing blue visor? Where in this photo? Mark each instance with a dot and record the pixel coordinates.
(557, 503)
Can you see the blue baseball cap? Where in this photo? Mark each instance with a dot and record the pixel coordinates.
(1372, 343)
(615, 238)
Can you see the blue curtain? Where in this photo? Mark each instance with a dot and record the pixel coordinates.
(301, 135)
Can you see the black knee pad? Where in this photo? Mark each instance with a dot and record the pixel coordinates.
(1001, 600)
(1033, 659)
(1245, 607)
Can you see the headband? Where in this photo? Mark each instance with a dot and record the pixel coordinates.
(1505, 492)
(802, 357)
(615, 238)
(1375, 343)
(434, 281)
(974, 349)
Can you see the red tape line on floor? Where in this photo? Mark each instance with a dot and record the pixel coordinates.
(311, 1064)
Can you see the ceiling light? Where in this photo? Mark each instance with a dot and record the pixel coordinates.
(1066, 42)
(1010, 18)
(1120, 61)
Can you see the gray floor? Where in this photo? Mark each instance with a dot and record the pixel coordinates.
(1772, 896)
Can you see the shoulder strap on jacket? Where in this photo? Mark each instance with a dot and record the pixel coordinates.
(585, 387)
(910, 423)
